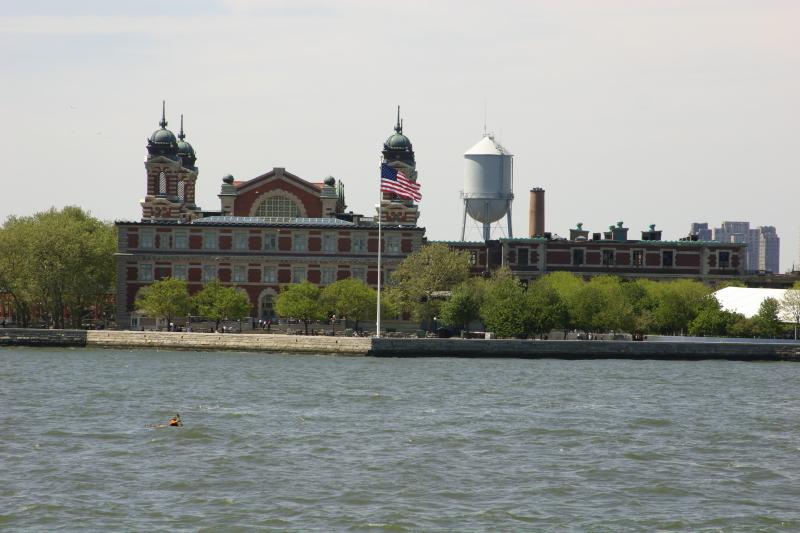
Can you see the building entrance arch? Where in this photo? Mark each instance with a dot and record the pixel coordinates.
(266, 304)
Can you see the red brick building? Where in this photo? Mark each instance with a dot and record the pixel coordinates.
(610, 252)
(271, 230)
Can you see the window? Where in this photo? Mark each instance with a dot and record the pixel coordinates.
(163, 241)
(608, 257)
(328, 275)
(179, 271)
(638, 258)
(473, 257)
(299, 242)
(270, 242)
(239, 273)
(267, 306)
(181, 190)
(329, 242)
(724, 259)
(393, 245)
(667, 257)
(210, 241)
(522, 256)
(359, 243)
(162, 183)
(145, 272)
(360, 273)
(578, 256)
(240, 240)
(209, 273)
(277, 206)
(180, 240)
(146, 238)
(270, 276)
(298, 274)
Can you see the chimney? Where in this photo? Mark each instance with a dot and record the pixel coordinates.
(536, 215)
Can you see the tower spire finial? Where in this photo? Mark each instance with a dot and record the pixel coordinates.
(163, 122)
(399, 127)
(181, 135)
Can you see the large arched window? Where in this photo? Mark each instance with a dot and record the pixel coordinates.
(266, 304)
(278, 206)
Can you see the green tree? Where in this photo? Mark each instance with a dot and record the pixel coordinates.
(165, 299)
(464, 304)
(767, 323)
(743, 328)
(713, 321)
(545, 309)
(431, 269)
(301, 301)
(567, 286)
(678, 303)
(790, 305)
(504, 310)
(616, 311)
(218, 303)
(349, 298)
(61, 262)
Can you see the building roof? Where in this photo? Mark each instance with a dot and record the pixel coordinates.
(273, 222)
(747, 301)
(487, 146)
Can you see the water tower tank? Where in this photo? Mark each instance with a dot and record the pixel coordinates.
(488, 181)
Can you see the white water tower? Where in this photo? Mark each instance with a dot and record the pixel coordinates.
(488, 185)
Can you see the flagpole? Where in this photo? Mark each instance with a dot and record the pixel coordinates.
(380, 271)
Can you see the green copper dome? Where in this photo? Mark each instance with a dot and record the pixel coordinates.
(162, 141)
(185, 149)
(397, 146)
(398, 141)
(163, 136)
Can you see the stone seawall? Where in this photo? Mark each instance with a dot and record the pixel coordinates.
(390, 347)
(532, 349)
(186, 341)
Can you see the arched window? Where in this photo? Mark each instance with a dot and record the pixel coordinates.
(181, 190)
(278, 206)
(266, 305)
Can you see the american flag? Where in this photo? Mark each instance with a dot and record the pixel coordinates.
(394, 181)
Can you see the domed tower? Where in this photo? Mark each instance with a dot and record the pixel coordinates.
(171, 175)
(399, 153)
(185, 150)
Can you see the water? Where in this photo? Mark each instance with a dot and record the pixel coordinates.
(306, 443)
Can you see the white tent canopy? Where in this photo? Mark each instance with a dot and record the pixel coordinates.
(747, 301)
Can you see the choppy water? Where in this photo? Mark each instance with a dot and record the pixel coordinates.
(305, 443)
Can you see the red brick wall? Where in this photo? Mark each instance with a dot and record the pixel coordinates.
(687, 260)
(243, 204)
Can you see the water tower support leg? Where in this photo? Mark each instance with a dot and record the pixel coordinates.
(508, 217)
(464, 221)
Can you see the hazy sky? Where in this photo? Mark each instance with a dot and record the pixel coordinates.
(644, 111)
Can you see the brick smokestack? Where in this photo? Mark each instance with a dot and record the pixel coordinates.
(536, 215)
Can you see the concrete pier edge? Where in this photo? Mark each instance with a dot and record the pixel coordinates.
(395, 347)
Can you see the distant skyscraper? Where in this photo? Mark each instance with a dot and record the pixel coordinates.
(769, 249)
(701, 230)
(763, 243)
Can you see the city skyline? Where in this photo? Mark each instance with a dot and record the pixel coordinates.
(645, 113)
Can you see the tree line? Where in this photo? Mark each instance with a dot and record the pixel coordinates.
(57, 267)
(566, 302)
(169, 298)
